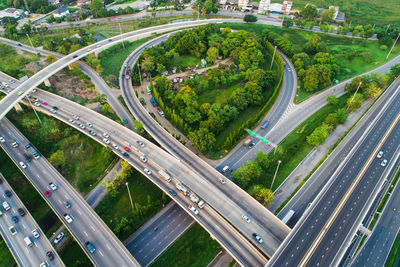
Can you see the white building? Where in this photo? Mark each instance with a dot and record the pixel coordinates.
(287, 7)
(276, 8)
(263, 6)
(11, 12)
(61, 12)
(243, 4)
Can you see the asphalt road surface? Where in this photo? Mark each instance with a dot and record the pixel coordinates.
(319, 238)
(23, 255)
(86, 225)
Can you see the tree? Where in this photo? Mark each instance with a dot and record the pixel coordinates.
(26, 28)
(148, 63)
(254, 93)
(395, 70)
(309, 12)
(208, 6)
(287, 22)
(331, 119)
(327, 15)
(341, 115)
(247, 173)
(57, 158)
(317, 77)
(355, 102)
(9, 21)
(315, 45)
(106, 108)
(250, 18)
(50, 58)
(202, 138)
(373, 91)
(240, 178)
(264, 195)
(318, 136)
(138, 126)
(262, 160)
(332, 100)
(212, 54)
(96, 7)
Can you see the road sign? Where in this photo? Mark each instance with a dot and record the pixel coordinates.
(257, 136)
(264, 140)
(252, 133)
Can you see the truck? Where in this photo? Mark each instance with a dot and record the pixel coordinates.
(247, 142)
(32, 150)
(128, 72)
(288, 217)
(182, 188)
(264, 124)
(193, 198)
(165, 175)
(153, 102)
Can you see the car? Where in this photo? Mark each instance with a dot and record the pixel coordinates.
(47, 193)
(12, 81)
(258, 238)
(384, 162)
(92, 132)
(90, 247)
(43, 264)
(380, 154)
(44, 103)
(59, 237)
(20, 93)
(53, 186)
(89, 49)
(68, 218)
(8, 193)
(147, 171)
(89, 125)
(125, 154)
(193, 209)
(252, 144)
(124, 120)
(15, 144)
(21, 211)
(221, 180)
(15, 219)
(106, 135)
(53, 110)
(50, 255)
(110, 40)
(140, 143)
(72, 121)
(19, 44)
(82, 126)
(22, 164)
(161, 113)
(172, 192)
(246, 218)
(28, 158)
(76, 117)
(143, 159)
(74, 56)
(127, 149)
(67, 205)
(115, 146)
(35, 233)
(2, 139)
(105, 140)
(33, 90)
(12, 230)
(98, 45)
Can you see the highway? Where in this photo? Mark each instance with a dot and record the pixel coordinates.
(229, 237)
(86, 225)
(321, 236)
(23, 255)
(269, 226)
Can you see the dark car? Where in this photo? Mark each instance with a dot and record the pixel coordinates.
(8, 193)
(14, 219)
(28, 158)
(19, 44)
(1, 181)
(67, 205)
(55, 108)
(90, 247)
(125, 154)
(172, 192)
(50, 255)
(74, 56)
(21, 211)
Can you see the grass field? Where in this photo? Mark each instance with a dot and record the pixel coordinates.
(12, 63)
(5, 255)
(144, 193)
(72, 254)
(86, 159)
(360, 11)
(394, 256)
(194, 248)
(186, 61)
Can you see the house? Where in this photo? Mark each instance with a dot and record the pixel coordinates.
(263, 6)
(12, 12)
(275, 8)
(82, 3)
(61, 12)
(337, 17)
(286, 7)
(54, 2)
(243, 4)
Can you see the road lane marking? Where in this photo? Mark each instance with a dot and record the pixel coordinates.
(85, 233)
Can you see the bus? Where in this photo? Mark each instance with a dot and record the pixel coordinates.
(288, 217)
(264, 124)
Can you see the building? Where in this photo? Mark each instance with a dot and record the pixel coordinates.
(61, 12)
(54, 2)
(264, 6)
(243, 4)
(275, 8)
(286, 7)
(337, 17)
(12, 12)
(82, 3)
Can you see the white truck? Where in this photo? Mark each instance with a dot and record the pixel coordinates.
(165, 175)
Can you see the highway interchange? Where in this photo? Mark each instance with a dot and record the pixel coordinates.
(147, 124)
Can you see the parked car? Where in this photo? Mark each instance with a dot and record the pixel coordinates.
(59, 237)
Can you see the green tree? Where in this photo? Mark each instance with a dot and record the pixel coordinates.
(327, 15)
(287, 22)
(332, 100)
(148, 63)
(96, 7)
(331, 119)
(341, 115)
(318, 136)
(106, 108)
(254, 93)
(395, 70)
(202, 138)
(138, 126)
(250, 18)
(240, 178)
(315, 45)
(262, 160)
(50, 58)
(246, 174)
(355, 102)
(309, 12)
(212, 54)
(57, 158)
(317, 77)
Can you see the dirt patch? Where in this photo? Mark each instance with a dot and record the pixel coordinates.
(302, 129)
(71, 86)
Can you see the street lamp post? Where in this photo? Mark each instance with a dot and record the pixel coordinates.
(129, 193)
(120, 30)
(273, 56)
(351, 100)
(276, 171)
(29, 38)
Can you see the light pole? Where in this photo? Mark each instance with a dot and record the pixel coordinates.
(129, 193)
(120, 30)
(393, 46)
(276, 171)
(30, 41)
(351, 100)
(272, 61)
(34, 110)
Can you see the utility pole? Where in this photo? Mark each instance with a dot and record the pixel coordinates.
(273, 56)
(34, 110)
(140, 75)
(393, 46)
(354, 95)
(30, 41)
(129, 192)
(387, 28)
(120, 30)
(276, 171)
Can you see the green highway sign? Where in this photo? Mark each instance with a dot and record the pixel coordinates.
(257, 136)
(252, 133)
(264, 140)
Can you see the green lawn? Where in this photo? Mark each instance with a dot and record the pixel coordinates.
(394, 256)
(12, 63)
(72, 255)
(194, 248)
(360, 11)
(112, 64)
(85, 159)
(5, 255)
(218, 96)
(186, 61)
(144, 194)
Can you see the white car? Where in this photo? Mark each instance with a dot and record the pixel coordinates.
(106, 135)
(53, 110)
(89, 125)
(105, 140)
(380, 154)
(68, 218)
(59, 237)
(12, 229)
(140, 143)
(53, 186)
(37, 104)
(384, 162)
(2, 139)
(147, 171)
(76, 117)
(82, 126)
(35, 233)
(246, 218)
(195, 211)
(115, 146)
(258, 238)
(22, 165)
(72, 121)
(15, 144)
(143, 159)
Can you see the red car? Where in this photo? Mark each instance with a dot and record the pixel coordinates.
(127, 149)
(50, 255)
(44, 103)
(47, 193)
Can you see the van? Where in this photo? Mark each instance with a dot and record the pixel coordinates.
(225, 169)
(201, 204)
(28, 241)
(6, 206)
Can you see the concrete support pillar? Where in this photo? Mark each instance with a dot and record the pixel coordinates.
(18, 107)
(47, 82)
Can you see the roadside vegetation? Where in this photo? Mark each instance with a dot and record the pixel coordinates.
(73, 255)
(194, 248)
(394, 257)
(13, 63)
(5, 255)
